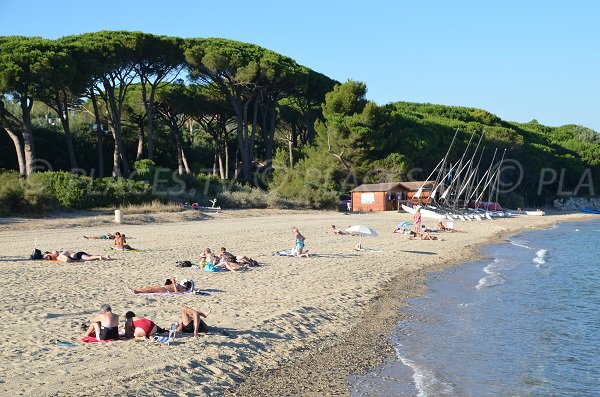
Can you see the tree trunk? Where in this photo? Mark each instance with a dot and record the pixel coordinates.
(61, 110)
(150, 121)
(29, 149)
(177, 138)
(116, 171)
(291, 145)
(18, 150)
(268, 126)
(99, 134)
(140, 145)
(186, 166)
(114, 114)
(226, 150)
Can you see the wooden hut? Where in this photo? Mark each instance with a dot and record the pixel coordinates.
(386, 196)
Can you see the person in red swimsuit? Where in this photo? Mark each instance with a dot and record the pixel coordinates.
(140, 328)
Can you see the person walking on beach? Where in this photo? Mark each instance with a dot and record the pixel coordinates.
(417, 221)
(105, 326)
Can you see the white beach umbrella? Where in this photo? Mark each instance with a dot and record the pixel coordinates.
(361, 230)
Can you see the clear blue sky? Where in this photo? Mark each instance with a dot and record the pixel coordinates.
(521, 60)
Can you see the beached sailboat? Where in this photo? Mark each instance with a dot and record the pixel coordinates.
(458, 193)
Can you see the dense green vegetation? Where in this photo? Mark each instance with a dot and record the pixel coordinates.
(188, 119)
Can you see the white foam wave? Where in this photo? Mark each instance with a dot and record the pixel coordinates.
(540, 257)
(493, 278)
(519, 245)
(426, 383)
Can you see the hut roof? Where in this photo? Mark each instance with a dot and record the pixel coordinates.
(386, 187)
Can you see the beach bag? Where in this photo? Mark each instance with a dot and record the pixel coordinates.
(183, 264)
(37, 254)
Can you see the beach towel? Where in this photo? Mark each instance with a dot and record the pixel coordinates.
(285, 253)
(126, 250)
(165, 293)
(92, 339)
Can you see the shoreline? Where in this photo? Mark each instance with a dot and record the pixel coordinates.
(325, 367)
(296, 326)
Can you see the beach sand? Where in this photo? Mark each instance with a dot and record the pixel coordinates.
(294, 326)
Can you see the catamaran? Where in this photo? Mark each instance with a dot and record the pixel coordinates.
(461, 191)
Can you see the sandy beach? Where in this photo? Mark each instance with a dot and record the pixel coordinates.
(294, 326)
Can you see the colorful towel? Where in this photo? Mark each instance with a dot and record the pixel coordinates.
(165, 293)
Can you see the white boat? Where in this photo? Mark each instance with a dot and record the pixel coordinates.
(535, 213)
(425, 213)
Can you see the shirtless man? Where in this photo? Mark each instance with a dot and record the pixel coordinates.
(105, 326)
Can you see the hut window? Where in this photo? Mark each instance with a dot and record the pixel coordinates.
(367, 198)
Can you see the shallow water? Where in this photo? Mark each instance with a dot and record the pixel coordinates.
(524, 321)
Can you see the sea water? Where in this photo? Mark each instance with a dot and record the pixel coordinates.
(523, 321)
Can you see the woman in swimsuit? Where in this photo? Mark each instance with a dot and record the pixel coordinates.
(417, 221)
(169, 286)
(140, 328)
(69, 256)
(299, 242)
(121, 243)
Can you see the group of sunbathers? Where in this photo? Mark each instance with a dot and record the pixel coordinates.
(120, 241)
(224, 261)
(105, 326)
(77, 256)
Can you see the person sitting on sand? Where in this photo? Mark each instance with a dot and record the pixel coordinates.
(69, 256)
(299, 249)
(107, 236)
(335, 230)
(104, 326)
(169, 286)
(191, 321)
(229, 261)
(121, 243)
(140, 328)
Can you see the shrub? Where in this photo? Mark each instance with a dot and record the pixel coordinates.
(247, 198)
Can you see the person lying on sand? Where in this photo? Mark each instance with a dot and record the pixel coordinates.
(335, 230)
(191, 321)
(69, 256)
(423, 236)
(213, 263)
(104, 326)
(232, 262)
(121, 243)
(169, 286)
(140, 328)
(441, 226)
(107, 236)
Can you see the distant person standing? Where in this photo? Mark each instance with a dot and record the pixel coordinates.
(417, 221)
